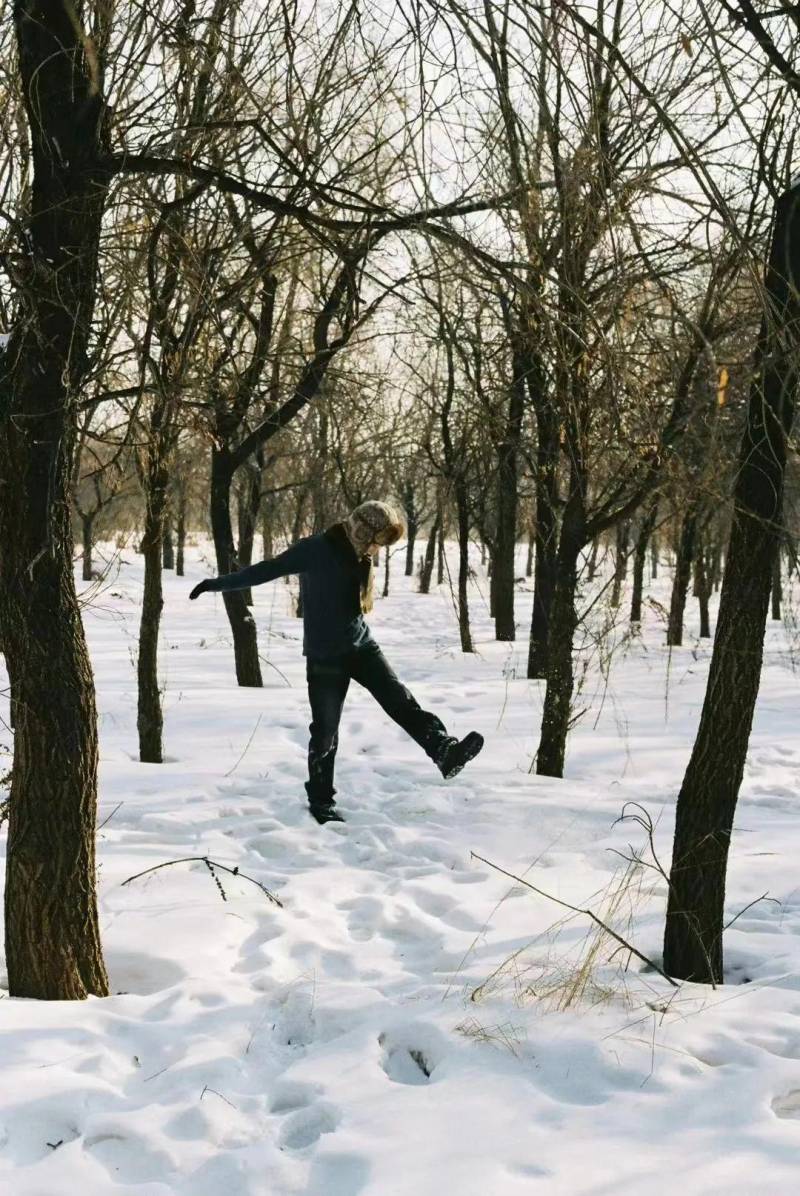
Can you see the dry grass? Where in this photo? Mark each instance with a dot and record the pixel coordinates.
(562, 974)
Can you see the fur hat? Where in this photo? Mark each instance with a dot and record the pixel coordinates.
(373, 523)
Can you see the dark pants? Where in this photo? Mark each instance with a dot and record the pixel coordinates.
(328, 682)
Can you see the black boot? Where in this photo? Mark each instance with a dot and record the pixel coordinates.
(456, 753)
(324, 811)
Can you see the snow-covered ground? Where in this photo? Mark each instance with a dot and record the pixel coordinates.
(411, 1022)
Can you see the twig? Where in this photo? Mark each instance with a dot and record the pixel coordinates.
(643, 819)
(270, 665)
(111, 815)
(246, 747)
(750, 904)
(219, 1094)
(160, 1072)
(211, 865)
(578, 910)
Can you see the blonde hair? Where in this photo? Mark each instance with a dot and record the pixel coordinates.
(374, 522)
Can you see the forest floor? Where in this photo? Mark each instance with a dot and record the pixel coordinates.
(412, 1022)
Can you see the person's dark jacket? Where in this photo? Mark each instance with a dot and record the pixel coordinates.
(333, 580)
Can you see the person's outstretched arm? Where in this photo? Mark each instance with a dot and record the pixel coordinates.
(297, 559)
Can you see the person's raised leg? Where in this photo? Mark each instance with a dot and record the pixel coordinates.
(328, 682)
(371, 669)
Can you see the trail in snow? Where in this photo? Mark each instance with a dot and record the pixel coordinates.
(394, 1029)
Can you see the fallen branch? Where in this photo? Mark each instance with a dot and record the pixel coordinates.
(211, 865)
(578, 910)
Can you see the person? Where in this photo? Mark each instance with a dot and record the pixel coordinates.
(336, 580)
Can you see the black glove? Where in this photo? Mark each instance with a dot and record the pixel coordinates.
(202, 588)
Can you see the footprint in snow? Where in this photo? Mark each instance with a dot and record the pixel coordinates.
(304, 1127)
(344, 1174)
(411, 1052)
(787, 1105)
(290, 1095)
(366, 914)
(406, 1065)
(127, 1157)
(440, 906)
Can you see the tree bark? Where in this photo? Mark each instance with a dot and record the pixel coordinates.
(683, 573)
(462, 512)
(52, 935)
(703, 588)
(440, 555)
(639, 558)
(529, 556)
(505, 545)
(563, 621)
(243, 627)
(777, 588)
(412, 526)
(622, 539)
(707, 800)
(430, 553)
(544, 575)
(387, 556)
(181, 533)
(150, 722)
(167, 545)
(87, 536)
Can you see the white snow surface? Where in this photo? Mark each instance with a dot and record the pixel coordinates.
(411, 1022)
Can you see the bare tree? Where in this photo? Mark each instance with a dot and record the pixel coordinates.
(709, 793)
(52, 934)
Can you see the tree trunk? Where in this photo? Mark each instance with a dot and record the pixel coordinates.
(167, 545)
(622, 538)
(703, 588)
(387, 556)
(51, 927)
(242, 624)
(247, 511)
(87, 535)
(777, 589)
(412, 526)
(150, 721)
(639, 558)
(682, 577)
(563, 621)
(411, 544)
(544, 574)
(529, 557)
(430, 553)
(181, 533)
(463, 566)
(654, 558)
(504, 556)
(440, 555)
(707, 800)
